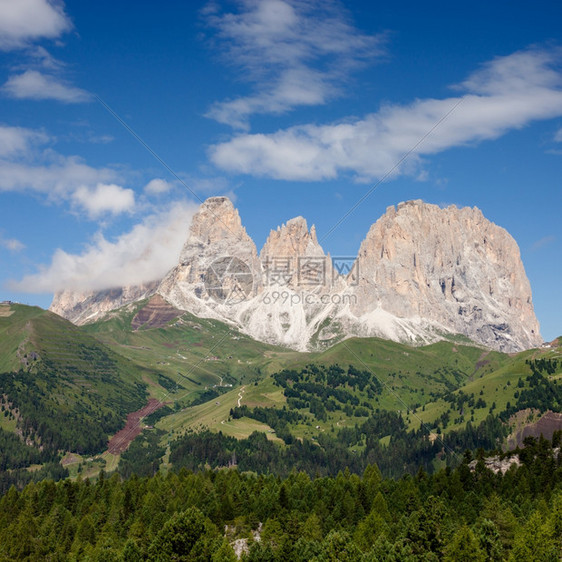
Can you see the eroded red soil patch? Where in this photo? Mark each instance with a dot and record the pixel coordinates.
(122, 439)
(155, 314)
(546, 425)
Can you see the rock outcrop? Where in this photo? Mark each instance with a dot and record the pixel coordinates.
(422, 273)
(217, 250)
(220, 276)
(449, 269)
(292, 256)
(157, 313)
(89, 306)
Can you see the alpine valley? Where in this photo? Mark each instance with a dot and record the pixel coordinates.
(412, 359)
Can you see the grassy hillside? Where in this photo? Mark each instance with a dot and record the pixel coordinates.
(409, 378)
(61, 388)
(195, 354)
(382, 402)
(439, 387)
(70, 388)
(15, 327)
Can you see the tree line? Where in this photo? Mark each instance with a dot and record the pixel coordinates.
(467, 513)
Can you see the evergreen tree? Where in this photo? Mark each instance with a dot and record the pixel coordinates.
(464, 547)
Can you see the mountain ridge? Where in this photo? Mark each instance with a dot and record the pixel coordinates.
(422, 273)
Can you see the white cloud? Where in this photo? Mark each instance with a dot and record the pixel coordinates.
(22, 21)
(17, 140)
(57, 178)
(295, 52)
(100, 139)
(35, 85)
(44, 59)
(11, 244)
(558, 136)
(157, 186)
(104, 198)
(145, 253)
(24, 168)
(507, 93)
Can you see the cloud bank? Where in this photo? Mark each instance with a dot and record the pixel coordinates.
(11, 244)
(157, 186)
(506, 93)
(104, 198)
(24, 167)
(145, 253)
(18, 140)
(22, 23)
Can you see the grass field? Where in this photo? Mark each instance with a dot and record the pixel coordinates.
(195, 353)
(190, 358)
(243, 427)
(15, 333)
(209, 353)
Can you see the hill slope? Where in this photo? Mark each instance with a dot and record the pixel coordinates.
(61, 388)
(363, 400)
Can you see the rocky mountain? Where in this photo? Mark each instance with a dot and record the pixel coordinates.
(88, 306)
(422, 273)
(217, 249)
(448, 268)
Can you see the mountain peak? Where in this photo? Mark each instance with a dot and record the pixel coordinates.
(423, 261)
(216, 202)
(216, 223)
(292, 239)
(217, 245)
(422, 271)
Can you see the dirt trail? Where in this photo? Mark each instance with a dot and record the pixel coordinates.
(482, 362)
(240, 396)
(122, 439)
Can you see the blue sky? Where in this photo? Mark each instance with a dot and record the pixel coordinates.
(291, 107)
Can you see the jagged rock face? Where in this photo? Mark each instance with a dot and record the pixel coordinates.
(292, 257)
(82, 308)
(422, 272)
(219, 255)
(449, 268)
(216, 237)
(296, 275)
(217, 225)
(497, 464)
